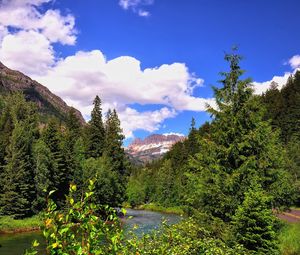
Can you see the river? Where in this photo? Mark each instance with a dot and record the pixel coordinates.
(15, 244)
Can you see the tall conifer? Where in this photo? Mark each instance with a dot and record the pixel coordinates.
(241, 149)
(95, 131)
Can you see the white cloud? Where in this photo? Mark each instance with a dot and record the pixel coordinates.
(27, 51)
(26, 43)
(136, 6)
(150, 121)
(295, 61)
(261, 87)
(143, 13)
(121, 82)
(172, 133)
(26, 15)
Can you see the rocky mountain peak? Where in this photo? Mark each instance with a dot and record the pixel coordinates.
(152, 147)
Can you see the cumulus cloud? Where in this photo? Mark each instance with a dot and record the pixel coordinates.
(150, 121)
(136, 6)
(121, 82)
(26, 43)
(295, 61)
(25, 15)
(261, 87)
(27, 51)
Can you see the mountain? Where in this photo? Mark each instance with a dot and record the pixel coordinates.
(48, 103)
(152, 147)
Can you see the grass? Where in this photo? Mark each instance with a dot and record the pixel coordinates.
(10, 225)
(290, 239)
(159, 208)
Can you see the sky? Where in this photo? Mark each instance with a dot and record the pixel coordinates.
(154, 61)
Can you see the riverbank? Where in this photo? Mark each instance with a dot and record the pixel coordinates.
(158, 208)
(9, 225)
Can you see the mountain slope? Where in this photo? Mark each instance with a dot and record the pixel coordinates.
(152, 147)
(48, 103)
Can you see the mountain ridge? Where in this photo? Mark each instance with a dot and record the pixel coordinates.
(48, 103)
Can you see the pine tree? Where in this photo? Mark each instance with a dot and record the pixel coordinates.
(241, 147)
(95, 131)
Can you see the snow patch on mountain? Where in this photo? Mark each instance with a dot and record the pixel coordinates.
(153, 146)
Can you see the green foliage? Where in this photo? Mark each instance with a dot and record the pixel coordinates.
(95, 131)
(135, 192)
(60, 177)
(255, 224)
(241, 149)
(79, 229)
(42, 175)
(17, 183)
(109, 188)
(113, 142)
(186, 237)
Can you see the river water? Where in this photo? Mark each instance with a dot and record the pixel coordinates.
(15, 244)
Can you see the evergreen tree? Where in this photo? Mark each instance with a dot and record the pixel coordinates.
(193, 146)
(108, 188)
(17, 177)
(114, 141)
(95, 131)
(71, 135)
(52, 137)
(165, 182)
(254, 223)
(241, 147)
(43, 164)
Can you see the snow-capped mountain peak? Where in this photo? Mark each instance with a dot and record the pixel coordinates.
(153, 146)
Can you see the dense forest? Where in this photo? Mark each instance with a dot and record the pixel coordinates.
(229, 176)
(37, 158)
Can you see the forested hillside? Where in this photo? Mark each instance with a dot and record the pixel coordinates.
(35, 160)
(278, 110)
(48, 104)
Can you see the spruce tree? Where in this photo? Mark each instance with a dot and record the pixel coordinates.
(17, 177)
(254, 224)
(114, 142)
(52, 137)
(70, 137)
(43, 164)
(241, 147)
(95, 131)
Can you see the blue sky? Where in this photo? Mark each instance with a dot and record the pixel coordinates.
(153, 60)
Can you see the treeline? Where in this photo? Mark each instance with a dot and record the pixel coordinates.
(36, 158)
(231, 172)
